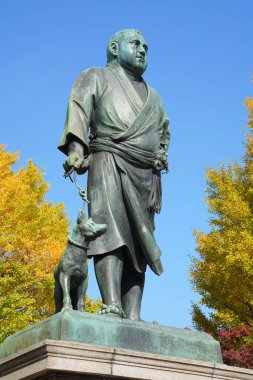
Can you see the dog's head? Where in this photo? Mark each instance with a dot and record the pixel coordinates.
(89, 229)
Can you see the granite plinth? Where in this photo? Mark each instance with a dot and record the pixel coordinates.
(59, 360)
(110, 331)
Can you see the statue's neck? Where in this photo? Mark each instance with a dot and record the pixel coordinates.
(130, 74)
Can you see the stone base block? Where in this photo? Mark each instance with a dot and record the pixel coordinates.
(75, 361)
(113, 332)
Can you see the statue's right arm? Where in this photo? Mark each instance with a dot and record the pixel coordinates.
(74, 141)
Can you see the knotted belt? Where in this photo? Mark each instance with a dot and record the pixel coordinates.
(135, 156)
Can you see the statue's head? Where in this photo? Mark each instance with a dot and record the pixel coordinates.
(129, 48)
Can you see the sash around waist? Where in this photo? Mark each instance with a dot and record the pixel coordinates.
(131, 154)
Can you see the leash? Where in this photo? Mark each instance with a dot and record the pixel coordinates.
(81, 191)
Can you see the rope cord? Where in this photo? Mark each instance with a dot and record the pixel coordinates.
(81, 191)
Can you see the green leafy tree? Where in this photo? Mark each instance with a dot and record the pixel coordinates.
(222, 273)
(33, 233)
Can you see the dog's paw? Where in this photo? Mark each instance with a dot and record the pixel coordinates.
(67, 307)
(80, 306)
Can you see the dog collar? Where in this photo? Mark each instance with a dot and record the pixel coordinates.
(75, 243)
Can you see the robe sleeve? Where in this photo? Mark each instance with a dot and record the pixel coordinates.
(80, 111)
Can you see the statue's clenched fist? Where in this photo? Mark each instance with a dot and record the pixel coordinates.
(76, 159)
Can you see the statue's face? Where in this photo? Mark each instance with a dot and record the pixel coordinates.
(132, 53)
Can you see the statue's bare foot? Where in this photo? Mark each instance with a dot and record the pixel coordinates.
(113, 309)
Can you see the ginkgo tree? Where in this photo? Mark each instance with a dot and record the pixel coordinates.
(222, 272)
(33, 233)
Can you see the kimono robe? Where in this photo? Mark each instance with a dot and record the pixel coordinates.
(125, 133)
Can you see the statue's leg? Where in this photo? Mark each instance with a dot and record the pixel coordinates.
(108, 270)
(132, 290)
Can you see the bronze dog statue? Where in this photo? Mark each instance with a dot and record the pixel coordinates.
(72, 271)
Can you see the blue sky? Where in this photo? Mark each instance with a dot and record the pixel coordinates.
(200, 61)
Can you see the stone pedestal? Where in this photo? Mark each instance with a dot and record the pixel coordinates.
(58, 360)
(71, 345)
(114, 332)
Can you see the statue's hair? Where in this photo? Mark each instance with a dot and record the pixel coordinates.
(118, 37)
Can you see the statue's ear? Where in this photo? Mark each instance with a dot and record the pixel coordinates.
(113, 47)
(81, 216)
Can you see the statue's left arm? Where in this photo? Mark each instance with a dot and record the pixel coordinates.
(164, 133)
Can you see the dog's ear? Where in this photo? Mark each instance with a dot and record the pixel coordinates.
(81, 216)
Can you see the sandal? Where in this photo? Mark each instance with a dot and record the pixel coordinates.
(112, 309)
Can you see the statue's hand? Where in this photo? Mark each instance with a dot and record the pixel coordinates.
(77, 162)
(85, 164)
(161, 161)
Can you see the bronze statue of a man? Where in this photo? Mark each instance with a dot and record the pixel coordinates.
(128, 141)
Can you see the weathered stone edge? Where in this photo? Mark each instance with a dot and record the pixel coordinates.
(51, 355)
(68, 326)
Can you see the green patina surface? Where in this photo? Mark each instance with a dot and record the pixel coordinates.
(74, 326)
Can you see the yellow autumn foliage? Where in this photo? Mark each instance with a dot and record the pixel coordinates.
(33, 233)
(222, 272)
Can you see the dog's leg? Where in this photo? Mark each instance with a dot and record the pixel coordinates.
(65, 284)
(81, 291)
(73, 296)
(58, 296)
